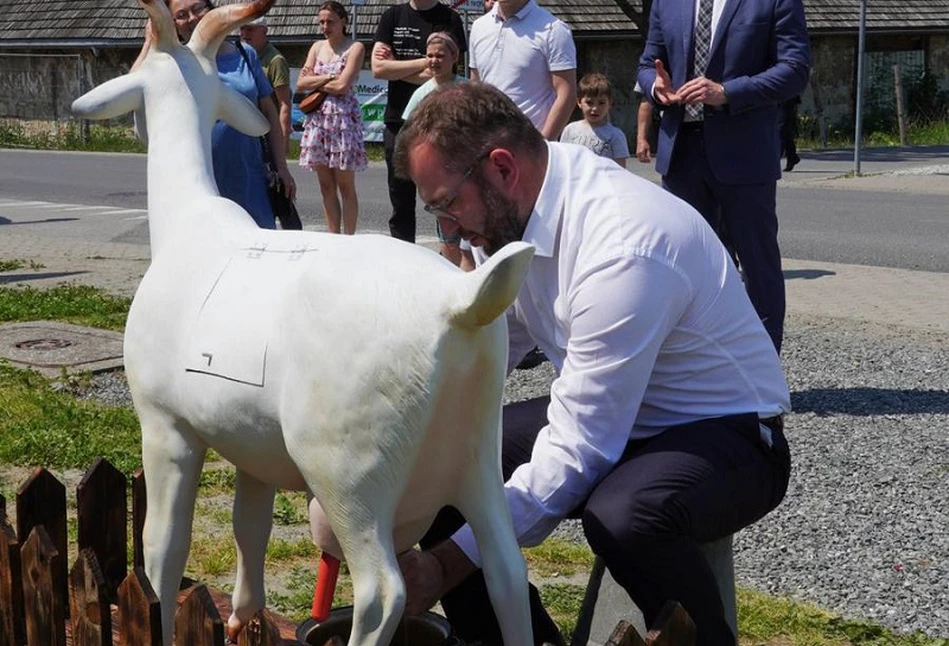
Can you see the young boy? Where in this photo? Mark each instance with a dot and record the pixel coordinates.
(595, 131)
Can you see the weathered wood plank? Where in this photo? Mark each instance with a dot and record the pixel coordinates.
(139, 611)
(103, 516)
(44, 608)
(41, 500)
(12, 630)
(625, 635)
(90, 614)
(673, 627)
(139, 507)
(260, 631)
(198, 621)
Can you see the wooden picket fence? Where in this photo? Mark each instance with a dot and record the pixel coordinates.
(99, 602)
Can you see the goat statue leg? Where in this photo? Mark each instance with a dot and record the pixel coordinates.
(483, 504)
(172, 457)
(253, 520)
(361, 519)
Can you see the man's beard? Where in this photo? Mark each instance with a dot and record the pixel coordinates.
(501, 222)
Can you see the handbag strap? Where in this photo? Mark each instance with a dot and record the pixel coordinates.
(264, 144)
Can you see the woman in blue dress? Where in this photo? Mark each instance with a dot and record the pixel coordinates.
(237, 158)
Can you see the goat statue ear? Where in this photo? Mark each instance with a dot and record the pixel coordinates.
(111, 99)
(237, 111)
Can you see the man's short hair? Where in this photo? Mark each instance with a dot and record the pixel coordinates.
(594, 85)
(257, 22)
(462, 122)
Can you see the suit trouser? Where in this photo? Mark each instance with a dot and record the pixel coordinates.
(745, 218)
(401, 192)
(688, 485)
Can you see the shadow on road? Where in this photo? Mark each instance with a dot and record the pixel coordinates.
(870, 401)
(807, 274)
(19, 278)
(4, 220)
(884, 154)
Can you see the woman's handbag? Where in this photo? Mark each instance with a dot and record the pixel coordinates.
(312, 101)
(283, 207)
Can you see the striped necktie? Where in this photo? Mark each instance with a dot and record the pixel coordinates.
(702, 42)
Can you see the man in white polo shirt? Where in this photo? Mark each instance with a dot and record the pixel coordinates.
(523, 50)
(663, 426)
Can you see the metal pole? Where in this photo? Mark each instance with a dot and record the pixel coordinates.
(858, 128)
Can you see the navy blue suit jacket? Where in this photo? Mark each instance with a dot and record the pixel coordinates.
(760, 54)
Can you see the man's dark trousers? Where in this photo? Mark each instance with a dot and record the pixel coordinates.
(401, 192)
(689, 485)
(745, 218)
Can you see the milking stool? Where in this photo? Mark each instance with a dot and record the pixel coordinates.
(605, 602)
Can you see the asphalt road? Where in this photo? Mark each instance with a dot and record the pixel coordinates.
(863, 227)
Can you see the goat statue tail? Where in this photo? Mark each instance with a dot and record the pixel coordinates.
(491, 288)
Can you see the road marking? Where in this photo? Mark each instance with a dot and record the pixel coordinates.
(60, 207)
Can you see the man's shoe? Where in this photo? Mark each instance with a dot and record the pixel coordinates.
(792, 162)
(532, 359)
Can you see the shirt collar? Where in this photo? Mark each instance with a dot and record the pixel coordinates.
(545, 217)
(520, 15)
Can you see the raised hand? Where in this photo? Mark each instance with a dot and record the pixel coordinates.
(663, 90)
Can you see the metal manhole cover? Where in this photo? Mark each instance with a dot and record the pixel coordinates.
(51, 347)
(43, 344)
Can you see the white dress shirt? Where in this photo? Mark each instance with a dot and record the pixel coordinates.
(645, 319)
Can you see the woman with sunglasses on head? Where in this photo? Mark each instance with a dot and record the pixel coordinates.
(237, 158)
(332, 143)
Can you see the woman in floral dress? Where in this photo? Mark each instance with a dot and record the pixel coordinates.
(332, 143)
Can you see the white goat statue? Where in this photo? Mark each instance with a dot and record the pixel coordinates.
(362, 370)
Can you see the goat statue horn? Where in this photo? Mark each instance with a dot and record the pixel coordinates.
(215, 26)
(164, 36)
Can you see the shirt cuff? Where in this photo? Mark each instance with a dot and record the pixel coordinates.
(464, 539)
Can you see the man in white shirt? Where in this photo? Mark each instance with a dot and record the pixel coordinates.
(663, 426)
(523, 50)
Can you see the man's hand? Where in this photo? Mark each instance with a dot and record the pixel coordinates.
(382, 52)
(702, 90)
(642, 150)
(662, 90)
(429, 575)
(424, 580)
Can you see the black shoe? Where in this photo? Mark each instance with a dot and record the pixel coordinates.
(532, 359)
(792, 162)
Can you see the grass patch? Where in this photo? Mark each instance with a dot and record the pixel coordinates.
(763, 619)
(211, 556)
(69, 136)
(282, 551)
(290, 508)
(16, 263)
(218, 480)
(40, 425)
(558, 557)
(562, 601)
(79, 304)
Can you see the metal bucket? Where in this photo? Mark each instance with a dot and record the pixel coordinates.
(427, 629)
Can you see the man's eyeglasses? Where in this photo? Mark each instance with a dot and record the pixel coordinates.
(196, 10)
(440, 210)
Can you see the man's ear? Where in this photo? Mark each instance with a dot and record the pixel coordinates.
(504, 165)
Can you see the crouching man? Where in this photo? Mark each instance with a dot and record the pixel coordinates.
(663, 428)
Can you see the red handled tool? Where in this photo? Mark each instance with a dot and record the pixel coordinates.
(325, 587)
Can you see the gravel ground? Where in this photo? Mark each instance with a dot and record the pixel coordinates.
(864, 530)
